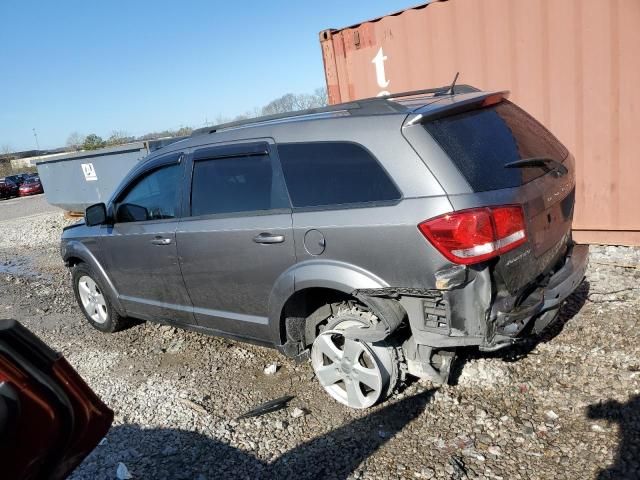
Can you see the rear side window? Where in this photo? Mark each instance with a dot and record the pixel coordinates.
(480, 142)
(236, 184)
(333, 173)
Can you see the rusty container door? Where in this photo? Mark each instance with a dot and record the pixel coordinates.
(573, 64)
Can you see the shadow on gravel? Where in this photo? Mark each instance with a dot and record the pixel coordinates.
(569, 309)
(627, 415)
(175, 454)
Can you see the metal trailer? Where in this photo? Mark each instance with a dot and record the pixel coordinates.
(572, 65)
(79, 179)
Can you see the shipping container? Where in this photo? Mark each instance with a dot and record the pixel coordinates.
(574, 65)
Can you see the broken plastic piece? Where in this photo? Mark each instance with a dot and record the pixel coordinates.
(298, 412)
(122, 472)
(268, 407)
(271, 369)
(371, 333)
(459, 470)
(451, 277)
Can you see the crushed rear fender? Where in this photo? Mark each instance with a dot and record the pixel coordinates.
(389, 312)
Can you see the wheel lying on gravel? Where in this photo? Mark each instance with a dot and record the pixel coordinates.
(355, 373)
(94, 302)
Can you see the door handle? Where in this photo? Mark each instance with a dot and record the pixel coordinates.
(161, 241)
(268, 238)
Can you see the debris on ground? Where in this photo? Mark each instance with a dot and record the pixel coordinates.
(271, 369)
(298, 412)
(459, 470)
(268, 407)
(551, 416)
(122, 472)
(193, 405)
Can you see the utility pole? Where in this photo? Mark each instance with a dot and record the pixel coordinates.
(36, 135)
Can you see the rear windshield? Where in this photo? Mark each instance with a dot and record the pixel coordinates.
(480, 142)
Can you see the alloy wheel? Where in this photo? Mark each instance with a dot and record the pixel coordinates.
(350, 370)
(92, 299)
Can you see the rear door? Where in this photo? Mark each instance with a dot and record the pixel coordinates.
(480, 143)
(237, 238)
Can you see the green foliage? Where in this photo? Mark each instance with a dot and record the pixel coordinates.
(119, 137)
(93, 142)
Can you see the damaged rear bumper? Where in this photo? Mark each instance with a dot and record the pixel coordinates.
(469, 314)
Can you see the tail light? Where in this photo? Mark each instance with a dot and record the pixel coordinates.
(475, 235)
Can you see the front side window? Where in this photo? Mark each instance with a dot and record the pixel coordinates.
(244, 183)
(333, 173)
(153, 197)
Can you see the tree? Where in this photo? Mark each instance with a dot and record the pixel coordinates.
(183, 132)
(5, 150)
(283, 104)
(291, 102)
(93, 142)
(119, 137)
(321, 96)
(75, 141)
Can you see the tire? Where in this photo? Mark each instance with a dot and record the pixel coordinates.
(94, 301)
(355, 373)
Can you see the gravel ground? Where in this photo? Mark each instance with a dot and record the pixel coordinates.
(567, 406)
(23, 206)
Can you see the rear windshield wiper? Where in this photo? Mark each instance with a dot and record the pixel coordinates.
(546, 163)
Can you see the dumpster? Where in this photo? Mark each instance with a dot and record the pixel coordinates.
(79, 179)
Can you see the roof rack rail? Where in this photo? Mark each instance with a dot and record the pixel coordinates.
(366, 106)
(435, 91)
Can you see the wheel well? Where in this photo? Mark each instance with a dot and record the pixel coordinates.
(73, 261)
(301, 305)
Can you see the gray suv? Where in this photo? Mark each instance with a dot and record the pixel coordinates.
(373, 237)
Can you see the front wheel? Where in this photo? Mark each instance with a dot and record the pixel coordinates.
(94, 302)
(355, 373)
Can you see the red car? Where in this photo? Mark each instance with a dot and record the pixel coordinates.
(8, 188)
(50, 420)
(31, 186)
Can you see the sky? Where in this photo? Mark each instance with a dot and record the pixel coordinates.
(142, 66)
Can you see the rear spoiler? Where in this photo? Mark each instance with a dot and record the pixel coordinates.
(451, 106)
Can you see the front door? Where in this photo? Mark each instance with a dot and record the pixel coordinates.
(238, 238)
(142, 245)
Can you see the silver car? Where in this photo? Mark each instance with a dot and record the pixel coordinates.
(373, 237)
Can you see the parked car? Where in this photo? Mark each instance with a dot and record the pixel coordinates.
(375, 237)
(8, 188)
(17, 179)
(50, 420)
(30, 186)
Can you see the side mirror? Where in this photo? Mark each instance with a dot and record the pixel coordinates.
(95, 215)
(130, 212)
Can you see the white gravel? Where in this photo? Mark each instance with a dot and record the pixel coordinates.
(566, 407)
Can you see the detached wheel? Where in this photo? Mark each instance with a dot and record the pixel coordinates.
(94, 302)
(355, 373)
